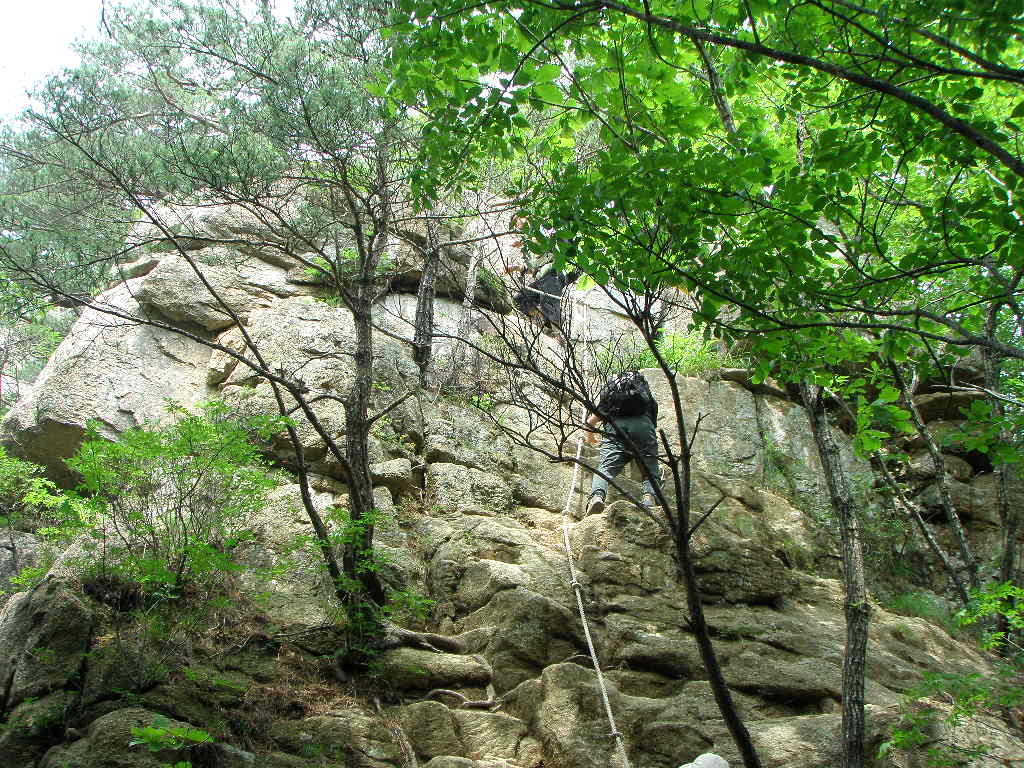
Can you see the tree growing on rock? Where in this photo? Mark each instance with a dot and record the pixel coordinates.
(275, 126)
(816, 173)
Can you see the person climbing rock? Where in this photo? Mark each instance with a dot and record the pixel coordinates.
(541, 298)
(629, 412)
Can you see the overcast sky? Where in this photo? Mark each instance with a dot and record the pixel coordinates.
(35, 41)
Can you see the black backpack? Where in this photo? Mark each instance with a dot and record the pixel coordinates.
(626, 394)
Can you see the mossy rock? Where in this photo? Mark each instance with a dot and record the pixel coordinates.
(108, 744)
(32, 727)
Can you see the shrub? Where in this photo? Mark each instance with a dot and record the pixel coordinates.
(169, 503)
(923, 606)
(929, 729)
(685, 353)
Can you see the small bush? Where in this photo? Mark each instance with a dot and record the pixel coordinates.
(923, 606)
(168, 504)
(685, 353)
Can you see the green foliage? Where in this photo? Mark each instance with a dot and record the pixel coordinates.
(19, 479)
(685, 353)
(1004, 600)
(168, 504)
(926, 727)
(923, 606)
(161, 736)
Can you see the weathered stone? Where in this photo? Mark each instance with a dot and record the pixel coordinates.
(482, 579)
(18, 550)
(946, 405)
(757, 438)
(451, 761)
(138, 268)
(640, 645)
(922, 467)
(300, 594)
(241, 282)
(396, 313)
(489, 735)
(108, 743)
(221, 363)
(32, 727)
(735, 556)
(396, 474)
(457, 435)
(780, 676)
(431, 729)
(110, 370)
(977, 500)
(416, 669)
(44, 634)
(535, 632)
(456, 489)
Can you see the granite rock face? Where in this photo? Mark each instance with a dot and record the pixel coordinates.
(473, 546)
(110, 370)
(44, 635)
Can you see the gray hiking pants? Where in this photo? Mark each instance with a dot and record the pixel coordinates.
(615, 453)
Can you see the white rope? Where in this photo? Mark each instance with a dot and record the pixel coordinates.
(574, 582)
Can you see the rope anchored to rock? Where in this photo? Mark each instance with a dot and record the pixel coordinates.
(577, 587)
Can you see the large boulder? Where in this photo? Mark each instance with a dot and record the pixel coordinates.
(32, 726)
(415, 669)
(44, 636)
(533, 632)
(112, 369)
(110, 743)
(756, 438)
(241, 283)
(460, 490)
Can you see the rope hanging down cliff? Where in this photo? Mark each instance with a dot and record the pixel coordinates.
(573, 580)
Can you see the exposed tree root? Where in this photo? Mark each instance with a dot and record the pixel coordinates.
(463, 702)
(397, 637)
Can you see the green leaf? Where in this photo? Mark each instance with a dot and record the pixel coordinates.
(888, 395)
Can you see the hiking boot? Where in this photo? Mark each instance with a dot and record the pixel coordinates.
(595, 506)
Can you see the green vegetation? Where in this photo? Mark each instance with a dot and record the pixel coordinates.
(161, 736)
(688, 354)
(167, 505)
(924, 606)
(941, 707)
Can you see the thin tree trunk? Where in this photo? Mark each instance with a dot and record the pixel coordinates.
(358, 549)
(941, 475)
(856, 607)
(422, 343)
(913, 517)
(682, 537)
(699, 626)
(717, 87)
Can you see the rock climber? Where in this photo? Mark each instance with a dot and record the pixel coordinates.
(541, 299)
(630, 413)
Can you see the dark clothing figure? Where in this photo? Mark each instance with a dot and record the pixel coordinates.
(614, 453)
(624, 437)
(544, 295)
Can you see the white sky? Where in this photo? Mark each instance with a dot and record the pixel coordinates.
(36, 38)
(35, 42)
